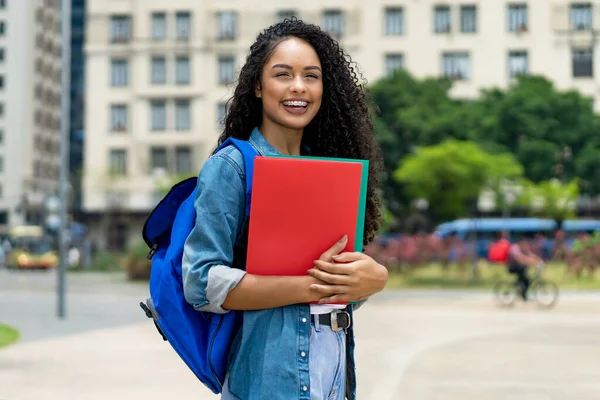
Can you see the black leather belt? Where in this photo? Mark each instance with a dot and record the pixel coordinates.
(338, 320)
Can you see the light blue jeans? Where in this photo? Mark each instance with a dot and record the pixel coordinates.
(327, 364)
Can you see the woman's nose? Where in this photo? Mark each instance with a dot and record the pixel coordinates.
(298, 85)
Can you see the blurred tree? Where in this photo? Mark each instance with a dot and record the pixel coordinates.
(451, 175)
(551, 198)
(410, 113)
(540, 156)
(587, 167)
(545, 128)
(552, 134)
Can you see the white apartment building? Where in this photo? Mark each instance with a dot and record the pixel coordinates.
(29, 108)
(159, 73)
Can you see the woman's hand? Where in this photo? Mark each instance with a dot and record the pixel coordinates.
(350, 277)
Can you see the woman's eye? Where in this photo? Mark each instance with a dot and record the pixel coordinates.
(312, 76)
(282, 74)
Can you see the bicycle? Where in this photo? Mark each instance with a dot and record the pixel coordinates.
(544, 292)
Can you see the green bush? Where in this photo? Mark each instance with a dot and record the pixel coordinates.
(137, 264)
(106, 261)
(138, 250)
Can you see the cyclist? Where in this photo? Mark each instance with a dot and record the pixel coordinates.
(520, 258)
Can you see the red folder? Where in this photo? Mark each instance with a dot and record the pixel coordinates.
(300, 208)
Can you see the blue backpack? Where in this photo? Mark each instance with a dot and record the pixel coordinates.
(201, 339)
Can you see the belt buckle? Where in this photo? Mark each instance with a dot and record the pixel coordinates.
(334, 320)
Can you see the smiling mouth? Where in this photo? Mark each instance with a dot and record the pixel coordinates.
(295, 103)
(295, 107)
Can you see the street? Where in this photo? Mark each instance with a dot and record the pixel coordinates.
(414, 345)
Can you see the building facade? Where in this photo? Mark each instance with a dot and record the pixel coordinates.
(158, 74)
(30, 71)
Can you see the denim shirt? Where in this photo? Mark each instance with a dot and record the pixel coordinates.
(269, 355)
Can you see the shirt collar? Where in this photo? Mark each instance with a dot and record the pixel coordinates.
(262, 146)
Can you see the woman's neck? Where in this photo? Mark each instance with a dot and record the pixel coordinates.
(284, 140)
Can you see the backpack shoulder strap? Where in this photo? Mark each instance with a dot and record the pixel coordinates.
(248, 153)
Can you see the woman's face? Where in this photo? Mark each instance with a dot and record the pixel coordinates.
(291, 85)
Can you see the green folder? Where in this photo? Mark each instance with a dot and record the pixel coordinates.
(362, 200)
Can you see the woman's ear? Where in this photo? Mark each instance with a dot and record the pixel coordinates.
(258, 91)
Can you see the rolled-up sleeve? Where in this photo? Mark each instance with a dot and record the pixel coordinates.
(208, 252)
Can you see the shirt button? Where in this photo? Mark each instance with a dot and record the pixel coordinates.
(303, 319)
(304, 388)
(303, 354)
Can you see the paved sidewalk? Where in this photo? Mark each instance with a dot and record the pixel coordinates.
(420, 349)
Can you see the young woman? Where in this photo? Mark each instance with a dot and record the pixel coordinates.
(297, 91)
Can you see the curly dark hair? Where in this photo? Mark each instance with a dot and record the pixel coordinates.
(342, 127)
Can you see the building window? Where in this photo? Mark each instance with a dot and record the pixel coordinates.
(158, 158)
(119, 74)
(182, 70)
(1, 82)
(2, 4)
(333, 22)
(226, 70)
(283, 14)
(158, 70)
(393, 62)
(1, 109)
(1, 164)
(182, 115)
(183, 160)
(456, 66)
(120, 28)
(221, 113)
(158, 115)
(1, 136)
(441, 19)
(517, 18)
(226, 25)
(159, 26)
(183, 25)
(394, 21)
(580, 15)
(1, 55)
(118, 161)
(583, 63)
(518, 63)
(468, 19)
(118, 117)
(2, 28)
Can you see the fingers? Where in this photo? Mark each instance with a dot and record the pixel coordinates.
(348, 257)
(337, 248)
(329, 289)
(336, 294)
(333, 279)
(340, 269)
(334, 299)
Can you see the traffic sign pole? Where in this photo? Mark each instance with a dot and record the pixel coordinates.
(63, 179)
